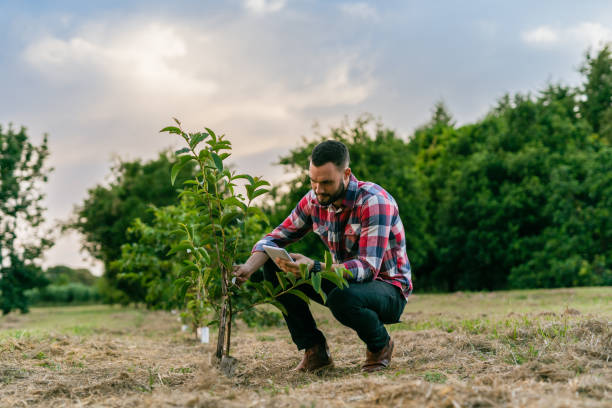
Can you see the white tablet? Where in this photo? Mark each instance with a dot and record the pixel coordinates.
(274, 252)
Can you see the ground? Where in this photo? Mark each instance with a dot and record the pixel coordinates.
(543, 348)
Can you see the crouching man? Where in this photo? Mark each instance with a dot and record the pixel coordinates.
(360, 224)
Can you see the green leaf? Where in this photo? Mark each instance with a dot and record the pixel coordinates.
(258, 211)
(332, 277)
(206, 276)
(292, 278)
(203, 155)
(279, 306)
(204, 254)
(234, 201)
(217, 160)
(249, 190)
(259, 182)
(177, 121)
(328, 261)
(212, 323)
(259, 192)
(179, 247)
(212, 134)
(341, 271)
(196, 138)
(304, 271)
(190, 266)
(316, 282)
(178, 166)
(281, 279)
(172, 129)
(300, 294)
(268, 286)
(243, 176)
(323, 295)
(229, 217)
(181, 151)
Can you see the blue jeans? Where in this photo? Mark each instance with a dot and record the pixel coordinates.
(364, 307)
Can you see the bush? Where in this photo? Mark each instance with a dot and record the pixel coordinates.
(70, 293)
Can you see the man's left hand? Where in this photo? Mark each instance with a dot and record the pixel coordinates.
(294, 268)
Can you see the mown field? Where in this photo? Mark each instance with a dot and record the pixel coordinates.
(548, 348)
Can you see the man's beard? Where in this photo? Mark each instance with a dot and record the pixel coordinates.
(337, 195)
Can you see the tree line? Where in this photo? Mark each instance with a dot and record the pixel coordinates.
(520, 198)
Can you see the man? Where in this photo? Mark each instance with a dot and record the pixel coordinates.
(359, 222)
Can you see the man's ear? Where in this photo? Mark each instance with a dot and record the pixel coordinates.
(347, 173)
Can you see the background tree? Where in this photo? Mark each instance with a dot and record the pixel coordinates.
(596, 106)
(22, 240)
(108, 211)
(62, 274)
(518, 199)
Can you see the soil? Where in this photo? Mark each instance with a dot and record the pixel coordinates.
(540, 359)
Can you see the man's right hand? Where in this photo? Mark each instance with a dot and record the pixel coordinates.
(242, 273)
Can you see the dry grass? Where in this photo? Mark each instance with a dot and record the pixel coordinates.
(528, 348)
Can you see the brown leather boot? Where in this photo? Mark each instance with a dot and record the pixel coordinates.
(315, 358)
(379, 360)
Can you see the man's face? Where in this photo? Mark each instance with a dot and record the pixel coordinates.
(328, 182)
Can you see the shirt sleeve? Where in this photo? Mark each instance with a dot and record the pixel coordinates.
(294, 227)
(376, 216)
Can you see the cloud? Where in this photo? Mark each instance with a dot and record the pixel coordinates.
(124, 79)
(541, 35)
(582, 35)
(593, 35)
(143, 57)
(359, 10)
(264, 6)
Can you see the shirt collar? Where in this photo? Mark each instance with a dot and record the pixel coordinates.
(351, 193)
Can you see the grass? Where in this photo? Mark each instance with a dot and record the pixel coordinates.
(70, 320)
(549, 347)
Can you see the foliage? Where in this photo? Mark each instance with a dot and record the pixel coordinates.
(215, 238)
(22, 242)
(518, 199)
(62, 275)
(596, 107)
(70, 293)
(105, 215)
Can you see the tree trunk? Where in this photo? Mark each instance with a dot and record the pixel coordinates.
(229, 327)
(222, 324)
(223, 315)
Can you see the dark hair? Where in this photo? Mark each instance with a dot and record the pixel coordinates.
(330, 151)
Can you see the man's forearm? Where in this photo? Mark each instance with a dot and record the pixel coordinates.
(256, 260)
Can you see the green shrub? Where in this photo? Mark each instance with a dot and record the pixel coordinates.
(64, 294)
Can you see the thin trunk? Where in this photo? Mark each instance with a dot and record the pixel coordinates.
(229, 327)
(223, 315)
(222, 324)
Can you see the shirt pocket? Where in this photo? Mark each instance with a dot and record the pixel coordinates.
(352, 233)
(321, 230)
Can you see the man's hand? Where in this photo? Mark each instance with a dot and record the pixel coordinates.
(294, 268)
(242, 273)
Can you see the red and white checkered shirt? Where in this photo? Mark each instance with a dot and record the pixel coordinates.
(365, 234)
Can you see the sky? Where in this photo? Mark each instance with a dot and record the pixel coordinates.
(101, 78)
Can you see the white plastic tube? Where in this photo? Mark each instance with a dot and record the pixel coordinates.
(203, 334)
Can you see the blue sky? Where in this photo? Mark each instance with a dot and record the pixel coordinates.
(102, 77)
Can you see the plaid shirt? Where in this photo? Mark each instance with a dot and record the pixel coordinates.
(365, 234)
